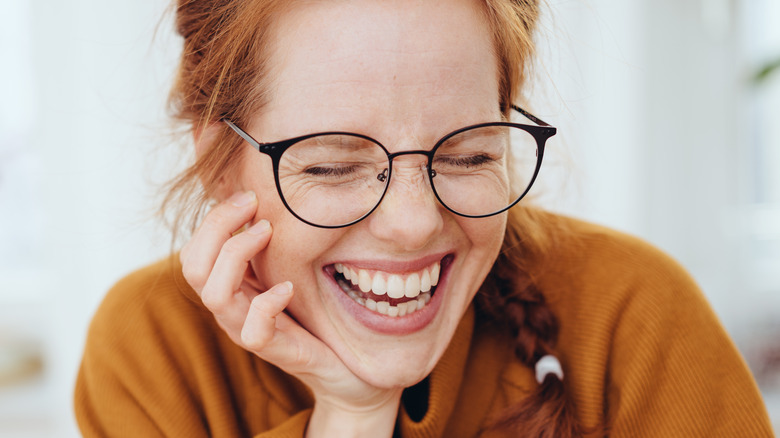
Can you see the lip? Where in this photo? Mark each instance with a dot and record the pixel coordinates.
(390, 325)
(395, 266)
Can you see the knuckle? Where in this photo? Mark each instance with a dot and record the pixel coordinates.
(304, 358)
(263, 306)
(254, 340)
(194, 276)
(214, 301)
(232, 247)
(217, 218)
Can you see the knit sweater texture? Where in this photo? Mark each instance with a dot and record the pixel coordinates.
(642, 353)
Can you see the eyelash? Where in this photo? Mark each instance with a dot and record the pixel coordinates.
(474, 160)
(330, 171)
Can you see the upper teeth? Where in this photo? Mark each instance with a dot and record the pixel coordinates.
(394, 285)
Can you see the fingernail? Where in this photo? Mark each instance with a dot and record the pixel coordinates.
(282, 288)
(259, 228)
(242, 199)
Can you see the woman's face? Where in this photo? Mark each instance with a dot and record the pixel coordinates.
(404, 73)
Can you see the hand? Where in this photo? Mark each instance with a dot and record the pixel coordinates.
(216, 264)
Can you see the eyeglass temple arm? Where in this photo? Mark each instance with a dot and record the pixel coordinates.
(243, 134)
(530, 116)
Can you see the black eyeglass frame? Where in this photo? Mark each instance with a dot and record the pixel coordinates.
(275, 150)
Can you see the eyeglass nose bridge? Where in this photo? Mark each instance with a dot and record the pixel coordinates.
(386, 174)
(426, 166)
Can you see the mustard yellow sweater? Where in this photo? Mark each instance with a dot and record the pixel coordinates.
(641, 349)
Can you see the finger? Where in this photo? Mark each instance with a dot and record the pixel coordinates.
(260, 324)
(277, 338)
(220, 213)
(218, 226)
(235, 312)
(232, 318)
(220, 293)
(200, 253)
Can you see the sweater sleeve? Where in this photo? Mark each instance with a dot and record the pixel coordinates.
(155, 364)
(672, 369)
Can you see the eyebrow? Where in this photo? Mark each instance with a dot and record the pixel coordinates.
(487, 131)
(347, 141)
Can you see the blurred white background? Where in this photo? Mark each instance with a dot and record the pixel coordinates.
(664, 133)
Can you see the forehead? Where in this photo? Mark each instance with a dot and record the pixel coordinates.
(366, 62)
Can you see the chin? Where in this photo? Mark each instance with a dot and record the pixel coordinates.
(397, 373)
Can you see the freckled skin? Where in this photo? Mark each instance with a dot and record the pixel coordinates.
(404, 73)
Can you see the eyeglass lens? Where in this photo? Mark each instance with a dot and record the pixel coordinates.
(335, 179)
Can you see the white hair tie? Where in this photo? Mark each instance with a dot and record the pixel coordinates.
(548, 364)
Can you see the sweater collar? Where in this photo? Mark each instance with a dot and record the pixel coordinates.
(462, 385)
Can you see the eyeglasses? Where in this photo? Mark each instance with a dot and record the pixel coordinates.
(336, 179)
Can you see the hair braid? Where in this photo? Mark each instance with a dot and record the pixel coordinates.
(511, 300)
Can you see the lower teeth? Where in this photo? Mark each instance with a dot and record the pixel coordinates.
(384, 307)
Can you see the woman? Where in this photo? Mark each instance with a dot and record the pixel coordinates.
(362, 273)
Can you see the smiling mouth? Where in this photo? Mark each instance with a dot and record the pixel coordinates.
(389, 293)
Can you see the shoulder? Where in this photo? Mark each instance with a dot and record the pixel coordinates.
(596, 262)
(156, 295)
(610, 245)
(612, 285)
(147, 288)
(151, 321)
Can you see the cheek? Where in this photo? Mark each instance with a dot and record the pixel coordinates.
(293, 253)
(486, 235)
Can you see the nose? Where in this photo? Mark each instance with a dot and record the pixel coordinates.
(409, 215)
